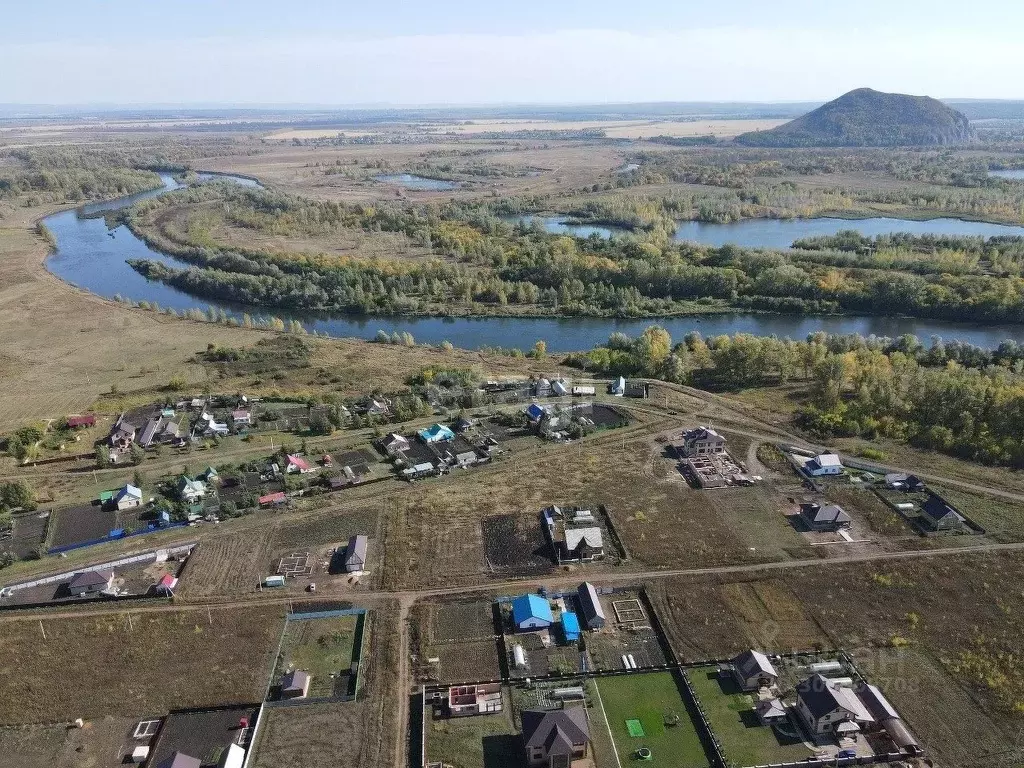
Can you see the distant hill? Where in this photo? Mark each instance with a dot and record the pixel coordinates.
(867, 118)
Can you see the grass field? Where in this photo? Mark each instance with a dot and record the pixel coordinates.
(321, 647)
(482, 741)
(164, 661)
(731, 715)
(648, 698)
(100, 744)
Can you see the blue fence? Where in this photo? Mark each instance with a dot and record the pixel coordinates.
(152, 528)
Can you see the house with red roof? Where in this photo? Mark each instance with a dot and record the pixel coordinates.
(297, 465)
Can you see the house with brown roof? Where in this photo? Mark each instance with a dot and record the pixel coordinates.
(555, 738)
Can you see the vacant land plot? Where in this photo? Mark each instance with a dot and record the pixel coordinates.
(655, 701)
(323, 648)
(879, 517)
(490, 741)
(83, 523)
(327, 528)
(944, 716)
(459, 622)
(462, 662)
(731, 715)
(228, 564)
(101, 743)
(515, 545)
(315, 735)
(28, 532)
(165, 661)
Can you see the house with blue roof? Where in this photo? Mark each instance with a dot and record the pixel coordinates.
(536, 413)
(570, 627)
(530, 612)
(438, 433)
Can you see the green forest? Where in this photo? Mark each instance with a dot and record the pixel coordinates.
(484, 264)
(955, 398)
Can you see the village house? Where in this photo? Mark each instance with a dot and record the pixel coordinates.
(90, 582)
(555, 738)
(180, 760)
(702, 441)
(190, 491)
(824, 464)
(436, 433)
(81, 422)
(825, 517)
(276, 499)
(355, 554)
(590, 604)
(394, 444)
(241, 418)
(558, 388)
(297, 465)
(128, 497)
(295, 685)
(617, 387)
(166, 586)
(536, 413)
(903, 481)
(122, 435)
(752, 671)
(531, 612)
(938, 515)
(581, 545)
(828, 707)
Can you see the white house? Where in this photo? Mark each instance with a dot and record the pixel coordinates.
(824, 464)
(128, 497)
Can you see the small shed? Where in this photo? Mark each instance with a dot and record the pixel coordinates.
(295, 685)
(570, 627)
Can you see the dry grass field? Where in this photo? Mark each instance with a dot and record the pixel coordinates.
(228, 564)
(314, 734)
(164, 661)
(618, 129)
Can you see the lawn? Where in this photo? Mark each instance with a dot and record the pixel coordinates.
(731, 716)
(490, 741)
(649, 698)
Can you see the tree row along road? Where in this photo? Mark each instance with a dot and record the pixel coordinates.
(405, 597)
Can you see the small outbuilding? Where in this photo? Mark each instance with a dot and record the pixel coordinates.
(295, 685)
(530, 612)
(590, 604)
(570, 626)
(180, 760)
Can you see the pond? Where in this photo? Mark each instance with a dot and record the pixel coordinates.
(411, 181)
(1017, 175)
(562, 225)
(781, 233)
(94, 257)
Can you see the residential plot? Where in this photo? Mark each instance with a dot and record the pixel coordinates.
(744, 738)
(516, 545)
(204, 735)
(654, 701)
(228, 564)
(492, 741)
(27, 534)
(323, 649)
(86, 522)
(166, 660)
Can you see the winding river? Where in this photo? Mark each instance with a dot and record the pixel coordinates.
(93, 257)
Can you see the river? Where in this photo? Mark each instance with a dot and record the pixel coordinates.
(94, 258)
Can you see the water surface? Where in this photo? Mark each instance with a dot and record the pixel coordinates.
(411, 181)
(1017, 175)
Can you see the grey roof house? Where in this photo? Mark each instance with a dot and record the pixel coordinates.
(555, 738)
(590, 605)
(180, 760)
(939, 515)
(752, 671)
(355, 554)
(827, 517)
(828, 707)
(91, 582)
(295, 685)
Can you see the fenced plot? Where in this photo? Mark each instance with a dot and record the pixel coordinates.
(730, 713)
(28, 532)
(323, 648)
(452, 663)
(656, 702)
(74, 525)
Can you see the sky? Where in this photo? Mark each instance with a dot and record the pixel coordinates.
(339, 52)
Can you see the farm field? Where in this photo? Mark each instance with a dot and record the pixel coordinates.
(651, 698)
(323, 648)
(176, 659)
(731, 715)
